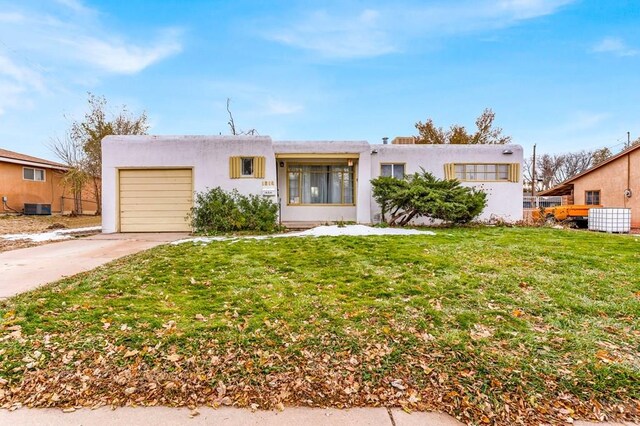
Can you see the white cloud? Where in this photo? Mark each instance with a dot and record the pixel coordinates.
(22, 75)
(615, 46)
(11, 96)
(338, 36)
(76, 6)
(11, 17)
(528, 9)
(58, 45)
(374, 32)
(121, 58)
(279, 107)
(581, 121)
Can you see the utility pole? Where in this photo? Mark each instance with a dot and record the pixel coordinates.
(533, 173)
(628, 140)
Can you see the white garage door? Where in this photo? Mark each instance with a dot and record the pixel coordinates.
(155, 200)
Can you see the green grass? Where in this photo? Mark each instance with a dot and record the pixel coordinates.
(490, 324)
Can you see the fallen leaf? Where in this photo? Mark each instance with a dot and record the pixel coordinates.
(398, 384)
(130, 353)
(174, 357)
(480, 332)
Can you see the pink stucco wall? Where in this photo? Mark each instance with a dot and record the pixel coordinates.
(611, 180)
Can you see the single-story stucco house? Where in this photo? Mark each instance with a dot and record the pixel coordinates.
(148, 181)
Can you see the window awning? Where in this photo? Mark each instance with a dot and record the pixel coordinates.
(332, 155)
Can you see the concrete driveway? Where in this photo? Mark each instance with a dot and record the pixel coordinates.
(25, 269)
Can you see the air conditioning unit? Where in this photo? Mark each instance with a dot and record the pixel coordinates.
(37, 209)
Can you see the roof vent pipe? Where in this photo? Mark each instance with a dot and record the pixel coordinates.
(385, 140)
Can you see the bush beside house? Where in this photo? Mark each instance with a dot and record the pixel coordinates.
(424, 195)
(217, 211)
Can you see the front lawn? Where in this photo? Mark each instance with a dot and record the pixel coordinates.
(493, 325)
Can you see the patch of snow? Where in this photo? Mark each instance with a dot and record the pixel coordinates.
(58, 234)
(319, 231)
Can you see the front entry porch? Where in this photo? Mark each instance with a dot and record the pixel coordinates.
(315, 190)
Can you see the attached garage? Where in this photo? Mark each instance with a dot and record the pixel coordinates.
(155, 200)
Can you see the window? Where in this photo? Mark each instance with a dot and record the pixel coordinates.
(592, 198)
(33, 174)
(392, 170)
(481, 172)
(247, 166)
(320, 184)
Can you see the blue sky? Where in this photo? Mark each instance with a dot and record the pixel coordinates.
(564, 74)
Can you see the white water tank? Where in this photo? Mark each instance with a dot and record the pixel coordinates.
(610, 220)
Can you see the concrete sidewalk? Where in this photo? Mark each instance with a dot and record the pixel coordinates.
(227, 416)
(165, 416)
(25, 269)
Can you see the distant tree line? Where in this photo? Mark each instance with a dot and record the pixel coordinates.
(553, 169)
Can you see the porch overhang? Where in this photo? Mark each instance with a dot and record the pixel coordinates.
(562, 189)
(327, 155)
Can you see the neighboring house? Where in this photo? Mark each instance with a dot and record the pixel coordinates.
(30, 180)
(148, 181)
(612, 183)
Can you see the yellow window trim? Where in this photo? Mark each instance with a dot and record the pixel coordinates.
(235, 167)
(513, 172)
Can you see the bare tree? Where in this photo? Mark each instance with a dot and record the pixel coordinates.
(72, 154)
(574, 163)
(548, 170)
(232, 123)
(81, 148)
(552, 170)
(89, 133)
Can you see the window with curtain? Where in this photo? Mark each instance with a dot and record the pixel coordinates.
(320, 184)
